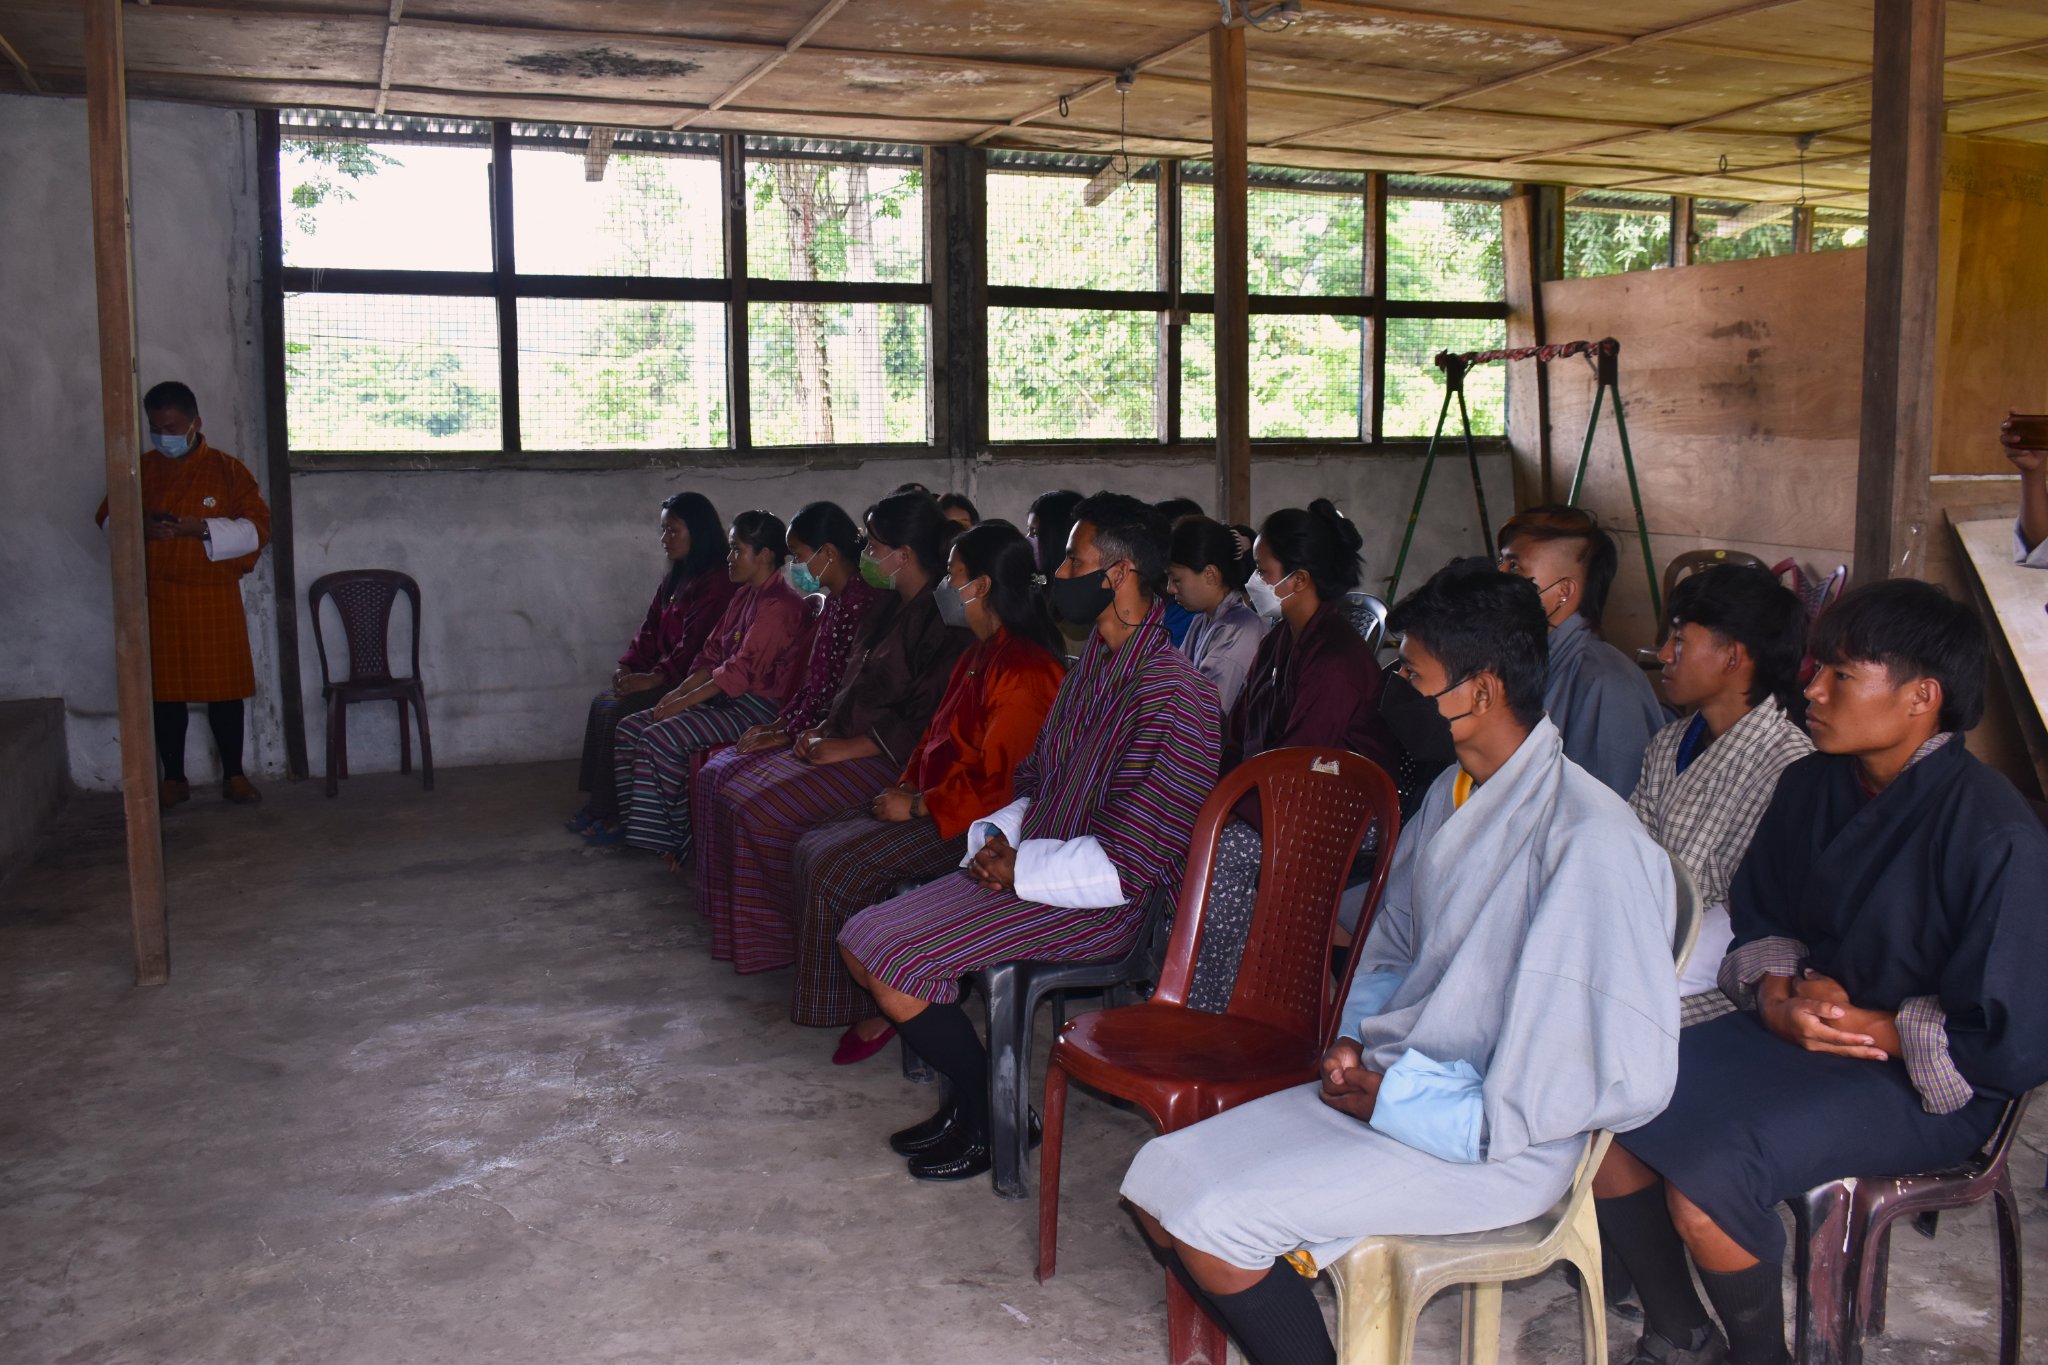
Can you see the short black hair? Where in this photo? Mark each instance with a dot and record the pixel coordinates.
(1748, 606)
(819, 524)
(762, 531)
(1199, 543)
(171, 394)
(1557, 521)
(1126, 528)
(1321, 540)
(1477, 619)
(912, 521)
(1055, 513)
(1916, 630)
(960, 502)
(1173, 509)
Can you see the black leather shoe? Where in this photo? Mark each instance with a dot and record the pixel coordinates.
(965, 1157)
(934, 1132)
(961, 1155)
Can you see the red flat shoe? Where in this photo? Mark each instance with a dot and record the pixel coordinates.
(854, 1048)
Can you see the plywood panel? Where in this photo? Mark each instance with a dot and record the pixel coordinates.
(1086, 32)
(462, 57)
(1667, 84)
(1743, 384)
(1994, 301)
(765, 21)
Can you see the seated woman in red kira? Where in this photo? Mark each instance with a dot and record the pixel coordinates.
(994, 706)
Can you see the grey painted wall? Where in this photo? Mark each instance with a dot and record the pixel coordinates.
(532, 581)
(197, 319)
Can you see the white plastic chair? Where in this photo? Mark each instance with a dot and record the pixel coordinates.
(1384, 1282)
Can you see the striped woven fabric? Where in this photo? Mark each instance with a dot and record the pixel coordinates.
(600, 746)
(756, 812)
(841, 868)
(652, 761)
(1128, 754)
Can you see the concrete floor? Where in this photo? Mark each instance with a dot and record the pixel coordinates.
(433, 1083)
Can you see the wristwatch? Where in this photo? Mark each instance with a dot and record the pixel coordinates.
(206, 534)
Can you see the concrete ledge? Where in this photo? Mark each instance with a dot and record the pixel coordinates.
(38, 775)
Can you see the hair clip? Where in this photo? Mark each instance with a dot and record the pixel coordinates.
(1244, 547)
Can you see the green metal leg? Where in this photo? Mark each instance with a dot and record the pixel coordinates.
(1635, 493)
(1422, 488)
(1478, 489)
(1586, 450)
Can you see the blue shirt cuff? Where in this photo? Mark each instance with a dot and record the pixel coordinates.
(1434, 1107)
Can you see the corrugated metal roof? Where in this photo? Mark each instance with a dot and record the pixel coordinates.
(822, 149)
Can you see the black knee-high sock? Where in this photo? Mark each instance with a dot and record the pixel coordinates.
(225, 719)
(1751, 1306)
(1637, 1229)
(943, 1036)
(169, 718)
(1277, 1321)
(1170, 1258)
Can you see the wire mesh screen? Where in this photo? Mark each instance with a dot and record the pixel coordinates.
(1726, 230)
(838, 220)
(617, 374)
(1415, 386)
(1444, 250)
(1609, 232)
(837, 373)
(391, 372)
(1071, 374)
(1041, 231)
(1835, 229)
(1307, 377)
(649, 214)
(374, 205)
(1302, 242)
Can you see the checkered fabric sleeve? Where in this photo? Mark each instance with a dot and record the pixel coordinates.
(1923, 1037)
(1755, 960)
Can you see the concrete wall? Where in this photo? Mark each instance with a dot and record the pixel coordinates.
(196, 268)
(532, 581)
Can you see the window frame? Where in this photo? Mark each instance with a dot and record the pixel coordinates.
(507, 286)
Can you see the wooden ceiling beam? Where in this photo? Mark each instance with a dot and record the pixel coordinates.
(20, 65)
(739, 87)
(1094, 87)
(384, 62)
(1604, 49)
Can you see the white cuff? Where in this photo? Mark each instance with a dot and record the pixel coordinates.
(231, 539)
(1072, 873)
(1008, 822)
(2036, 558)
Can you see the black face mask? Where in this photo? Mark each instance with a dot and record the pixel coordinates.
(1423, 729)
(1080, 600)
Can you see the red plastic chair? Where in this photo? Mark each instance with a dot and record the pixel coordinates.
(364, 597)
(1842, 1250)
(1181, 1065)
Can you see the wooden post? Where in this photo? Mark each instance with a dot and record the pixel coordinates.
(1681, 230)
(113, 269)
(732, 174)
(957, 190)
(277, 436)
(1528, 390)
(1901, 292)
(1802, 229)
(1166, 393)
(1228, 120)
(1376, 290)
(504, 268)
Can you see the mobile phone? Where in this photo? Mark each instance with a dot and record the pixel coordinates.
(2029, 429)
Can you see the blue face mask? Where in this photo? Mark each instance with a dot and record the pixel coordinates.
(171, 445)
(802, 579)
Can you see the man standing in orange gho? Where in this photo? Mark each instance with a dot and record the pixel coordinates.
(205, 522)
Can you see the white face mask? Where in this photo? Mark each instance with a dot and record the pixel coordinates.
(1264, 600)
